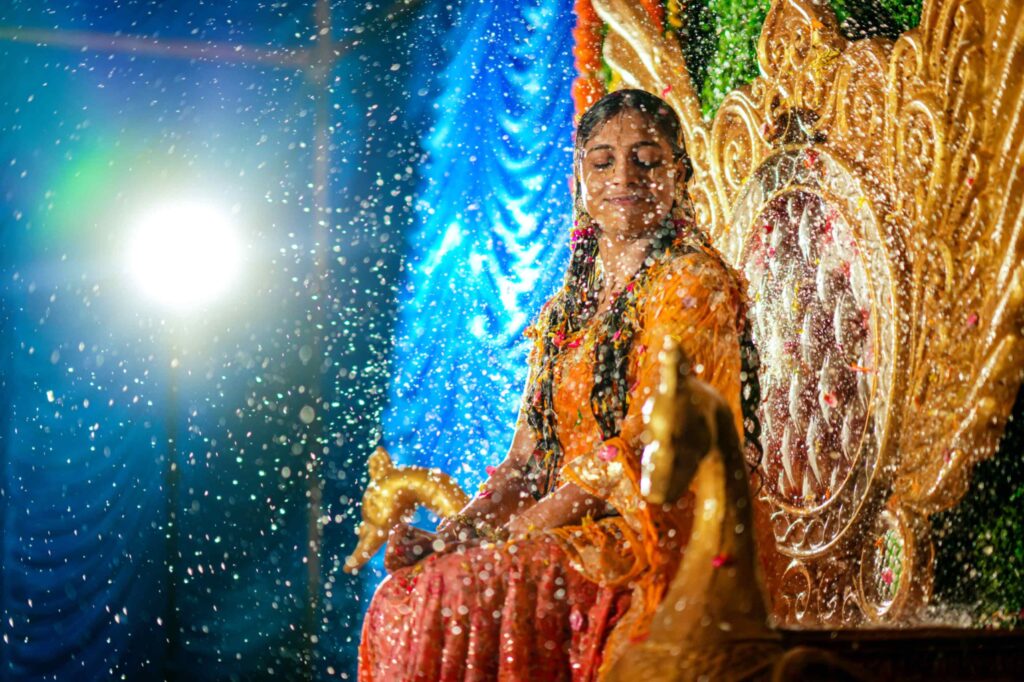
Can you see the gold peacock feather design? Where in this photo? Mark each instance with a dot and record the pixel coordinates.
(872, 193)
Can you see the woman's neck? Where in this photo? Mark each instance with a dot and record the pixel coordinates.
(620, 261)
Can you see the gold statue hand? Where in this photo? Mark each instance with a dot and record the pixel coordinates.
(392, 495)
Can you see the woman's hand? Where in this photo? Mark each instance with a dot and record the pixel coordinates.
(456, 528)
(407, 545)
(567, 505)
(520, 526)
(506, 492)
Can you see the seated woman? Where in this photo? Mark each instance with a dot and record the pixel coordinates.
(558, 563)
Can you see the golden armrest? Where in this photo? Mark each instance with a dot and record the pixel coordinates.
(393, 494)
(712, 621)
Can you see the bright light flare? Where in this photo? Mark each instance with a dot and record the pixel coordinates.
(185, 254)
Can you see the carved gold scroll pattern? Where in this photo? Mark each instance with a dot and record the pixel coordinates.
(916, 154)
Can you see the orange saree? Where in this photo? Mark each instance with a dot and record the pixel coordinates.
(563, 604)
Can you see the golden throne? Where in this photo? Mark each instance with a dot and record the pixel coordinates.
(871, 192)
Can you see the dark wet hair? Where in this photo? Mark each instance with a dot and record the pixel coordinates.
(575, 304)
(659, 112)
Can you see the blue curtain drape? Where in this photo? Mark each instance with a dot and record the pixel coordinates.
(449, 206)
(491, 242)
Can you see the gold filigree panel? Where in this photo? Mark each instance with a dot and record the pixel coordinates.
(823, 321)
(899, 167)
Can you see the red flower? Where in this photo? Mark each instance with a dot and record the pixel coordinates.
(576, 620)
(580, 233)
(720, 560)
(490, 470)
(830, 399)
(887, 576)
(608, 453)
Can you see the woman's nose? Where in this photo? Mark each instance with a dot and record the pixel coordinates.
(624, 174)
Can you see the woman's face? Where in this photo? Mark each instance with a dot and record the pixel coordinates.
(628, 176)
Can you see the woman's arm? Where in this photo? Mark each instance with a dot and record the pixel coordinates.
(506, 491)
(566, 506)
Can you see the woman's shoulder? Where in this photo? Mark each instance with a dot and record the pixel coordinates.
(697, 279)
(699, 267)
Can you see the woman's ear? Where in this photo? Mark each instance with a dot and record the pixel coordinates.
(683, 169)
(680, 176)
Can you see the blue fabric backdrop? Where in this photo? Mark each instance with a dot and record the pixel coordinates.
(491, 243)
(449, 202)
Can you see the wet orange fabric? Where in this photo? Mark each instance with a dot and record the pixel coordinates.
(696, 300)
(564, 604)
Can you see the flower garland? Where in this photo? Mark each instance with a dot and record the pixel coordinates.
(589, 86)
(562, 325)
(674, 15)
(656, 11)
(593, 80)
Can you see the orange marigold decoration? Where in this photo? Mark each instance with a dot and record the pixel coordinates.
(656, 11)
(589, 85)
(674, 9)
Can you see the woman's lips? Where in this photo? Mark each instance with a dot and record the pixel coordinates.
(627, 200)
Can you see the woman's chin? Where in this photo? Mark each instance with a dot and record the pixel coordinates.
(620, 230)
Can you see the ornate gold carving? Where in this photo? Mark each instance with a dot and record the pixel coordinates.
(712, 622)
(895, 567)
(955, 153)
(822, 317)
(393, 493)
(914, 151)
